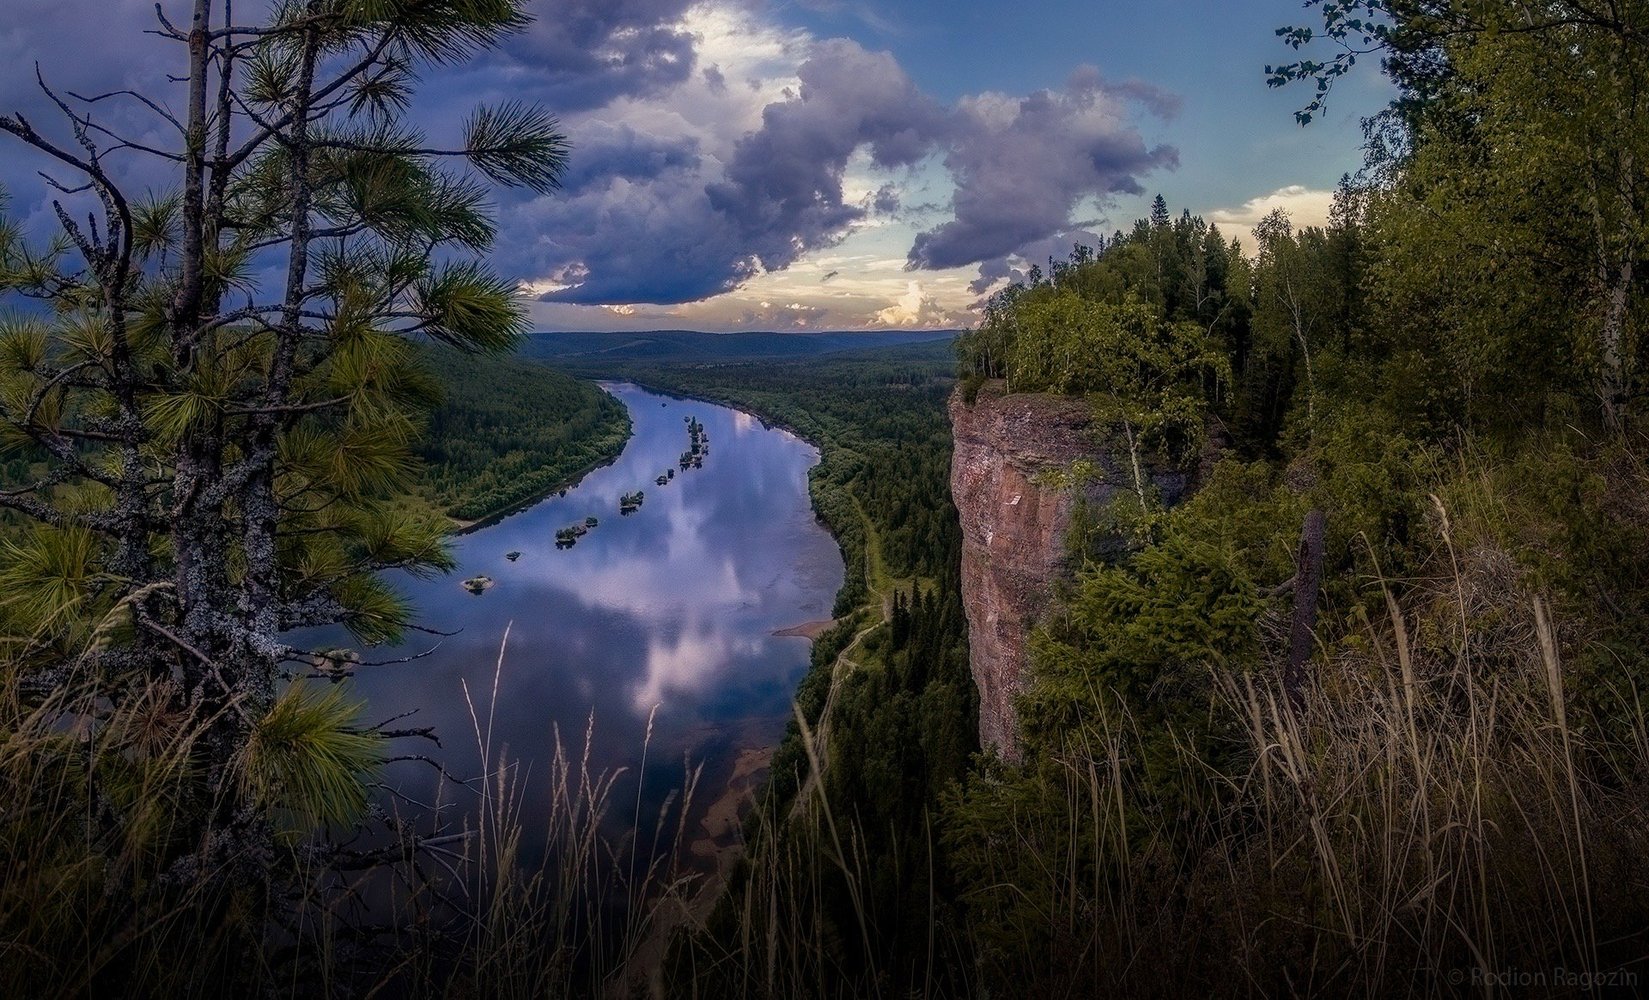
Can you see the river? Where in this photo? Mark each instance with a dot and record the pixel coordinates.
(661, 620)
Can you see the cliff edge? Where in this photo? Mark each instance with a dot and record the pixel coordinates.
(1014, 526)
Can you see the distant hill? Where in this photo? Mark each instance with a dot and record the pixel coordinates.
(700, 348)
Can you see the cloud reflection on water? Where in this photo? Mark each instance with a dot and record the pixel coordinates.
(673, 606)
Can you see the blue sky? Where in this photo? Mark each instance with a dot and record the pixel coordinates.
(1237, 137)
(823, 164)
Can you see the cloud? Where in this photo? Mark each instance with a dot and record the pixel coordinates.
(650, 219)
(609, 153)
(1305, 207)
(783, 188)
(712, 147)
(785, 316)
(625, 241)
(1022, 166)
(584, 54)
(1016, 266)
(707, 224)
(864, 12)
(914, 308)
(886, 201)
(87, 47)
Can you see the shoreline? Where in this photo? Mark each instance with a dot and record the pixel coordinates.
(717, 841)
(768, 423)
(462, 527)
(806, 630)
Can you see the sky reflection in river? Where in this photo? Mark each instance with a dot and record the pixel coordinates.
(671, 608)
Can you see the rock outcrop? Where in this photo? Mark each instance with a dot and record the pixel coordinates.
(1014, 524)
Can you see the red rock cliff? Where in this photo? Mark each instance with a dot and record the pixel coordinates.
(1013, 529)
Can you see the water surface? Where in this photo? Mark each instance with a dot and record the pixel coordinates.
(666, 613)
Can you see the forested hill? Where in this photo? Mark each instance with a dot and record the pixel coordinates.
(509, 431)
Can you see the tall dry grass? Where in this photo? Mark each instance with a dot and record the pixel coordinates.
(1436, 822)
(107, 890)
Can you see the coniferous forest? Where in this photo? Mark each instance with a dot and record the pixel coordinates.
(507, 432)
(1357, 712)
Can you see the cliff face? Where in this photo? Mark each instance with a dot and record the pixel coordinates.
(1013, 528)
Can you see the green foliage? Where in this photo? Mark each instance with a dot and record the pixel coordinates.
(209, 414)
(1144, 374)
(1451, 372)
(1146, 633)
(510, 431)
(50, 601)
(309, 759)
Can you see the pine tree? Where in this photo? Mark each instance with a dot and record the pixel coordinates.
(215, 450)
(1159, 213)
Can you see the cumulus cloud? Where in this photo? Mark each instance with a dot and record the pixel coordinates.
(609, 153)
(712, 146)
(627, 241)
(1017, 265)
(886, 200)
(1022, 165)
(785, 316)
(1305, 207)
(783, 188)
(583, 54)
(914, 308)
(668, 221)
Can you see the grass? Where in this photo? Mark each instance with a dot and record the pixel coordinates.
(1435, 817)
(1435, 814)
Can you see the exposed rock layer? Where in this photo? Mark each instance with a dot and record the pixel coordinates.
(1014, 524)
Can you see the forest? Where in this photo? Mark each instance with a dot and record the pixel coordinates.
(674, 347)
(508, 431)
(1447, 381)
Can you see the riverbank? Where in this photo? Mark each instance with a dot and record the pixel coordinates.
(888, 690)
(807, 630)
(508, 434)
(462, 527)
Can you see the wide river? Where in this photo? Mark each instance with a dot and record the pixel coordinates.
(666, 614)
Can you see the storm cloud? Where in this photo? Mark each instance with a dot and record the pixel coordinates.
(583, 54)
(710, 144)
(1022, 165)
(783, 188)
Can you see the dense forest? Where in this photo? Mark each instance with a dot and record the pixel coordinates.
(1419, 435)
(1363, 714)
(675, 347)
(509, 431)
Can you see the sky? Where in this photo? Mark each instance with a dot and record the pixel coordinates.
(814, 164)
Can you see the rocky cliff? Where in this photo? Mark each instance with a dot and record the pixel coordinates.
(1013, 528)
